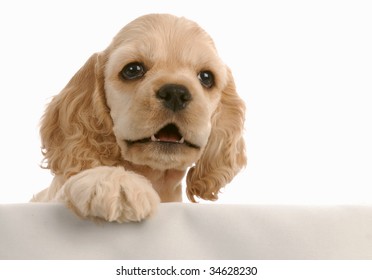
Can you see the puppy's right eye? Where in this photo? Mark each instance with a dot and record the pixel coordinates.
(132, 71)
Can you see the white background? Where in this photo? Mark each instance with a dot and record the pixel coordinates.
(304, 69)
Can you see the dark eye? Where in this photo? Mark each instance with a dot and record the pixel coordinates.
(133, 70)
(206, 78)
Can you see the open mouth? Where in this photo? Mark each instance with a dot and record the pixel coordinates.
(168, 134)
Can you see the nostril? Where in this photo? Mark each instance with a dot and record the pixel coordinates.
(186, 96)
(174, 97)
(163, 94)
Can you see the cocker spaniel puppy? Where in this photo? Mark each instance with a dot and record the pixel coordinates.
(156, 104)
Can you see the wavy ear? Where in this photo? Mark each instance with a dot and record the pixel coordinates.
(224, 156)
(76, 129)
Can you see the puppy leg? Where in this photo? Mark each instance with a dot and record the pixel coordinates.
(110, 193)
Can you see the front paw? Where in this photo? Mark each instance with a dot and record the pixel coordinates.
(136, 199)
(112, 194)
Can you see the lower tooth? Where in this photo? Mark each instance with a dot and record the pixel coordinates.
(153, 138)
(182, 140)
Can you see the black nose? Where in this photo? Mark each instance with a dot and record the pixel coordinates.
(174, 97)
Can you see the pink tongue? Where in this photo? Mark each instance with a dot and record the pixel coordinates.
(167, 137)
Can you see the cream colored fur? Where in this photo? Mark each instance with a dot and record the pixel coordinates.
(87, 129)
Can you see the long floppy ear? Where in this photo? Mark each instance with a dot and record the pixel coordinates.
(76, 129)
(224, 156)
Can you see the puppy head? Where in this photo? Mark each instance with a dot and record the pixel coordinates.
(159, 96)
(163, 82)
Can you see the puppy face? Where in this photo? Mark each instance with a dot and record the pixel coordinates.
(163, 82)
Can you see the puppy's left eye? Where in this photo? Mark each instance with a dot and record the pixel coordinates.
(206, 78)
(133, 70)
